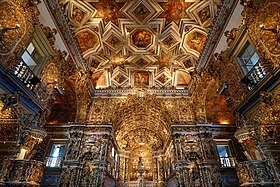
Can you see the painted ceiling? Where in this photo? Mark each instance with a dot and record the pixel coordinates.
(141, 43)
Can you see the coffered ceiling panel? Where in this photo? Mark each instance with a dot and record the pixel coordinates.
(141, 11)
(155, 43)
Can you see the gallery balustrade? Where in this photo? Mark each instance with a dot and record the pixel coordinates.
(21, 172)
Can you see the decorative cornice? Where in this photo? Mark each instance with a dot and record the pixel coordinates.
(159, 93)
(244, 133)
(63, 27)
(215, 129)
(9, 121)
(216, 31)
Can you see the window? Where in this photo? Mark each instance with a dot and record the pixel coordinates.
(33, 59)
(243, 51)
(33, 56)
(56, 155)
(225, 159)
(248, 58)
(253, 67)
(37, 52)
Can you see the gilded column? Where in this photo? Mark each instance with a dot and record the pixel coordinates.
(71, 165)
(210, 166)
(121, 170)
(160, 165)
(155, 171)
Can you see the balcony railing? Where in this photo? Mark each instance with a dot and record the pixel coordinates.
(255, 172)
(53, 162)
(25, 75)
(227, 162)
(256, 74)
(21, 172)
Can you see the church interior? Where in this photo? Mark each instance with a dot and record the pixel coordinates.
(140, 93)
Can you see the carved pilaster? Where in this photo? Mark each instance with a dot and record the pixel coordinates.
(210, 169)
(196, 159)
(156, 168)
(31, 133)
(29, 139)
(121, 171)
(126, 176)
(69, 176)
(160, 167)
(265, 119)
(86, 156)
(187, 159)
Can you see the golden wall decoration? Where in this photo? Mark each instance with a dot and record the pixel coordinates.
(21, 15)
(264, 29)
(13, 26)
(6, 113)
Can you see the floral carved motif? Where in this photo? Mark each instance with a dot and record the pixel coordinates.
(16, 28)
(263, 25)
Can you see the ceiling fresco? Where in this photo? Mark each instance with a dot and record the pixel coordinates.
(157, 40)
(174, 10)
(108, 10)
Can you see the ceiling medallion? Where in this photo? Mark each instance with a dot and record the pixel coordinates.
(80, 12)
(119, 79)
(115, 42)
(113, 39)
(142, 78)
(88, 40)
(142, 40)
(194, 41)
(141, 62)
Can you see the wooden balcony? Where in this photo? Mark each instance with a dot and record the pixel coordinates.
(255, 172)
(21, 172)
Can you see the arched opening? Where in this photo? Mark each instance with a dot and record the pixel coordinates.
(142, 134)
